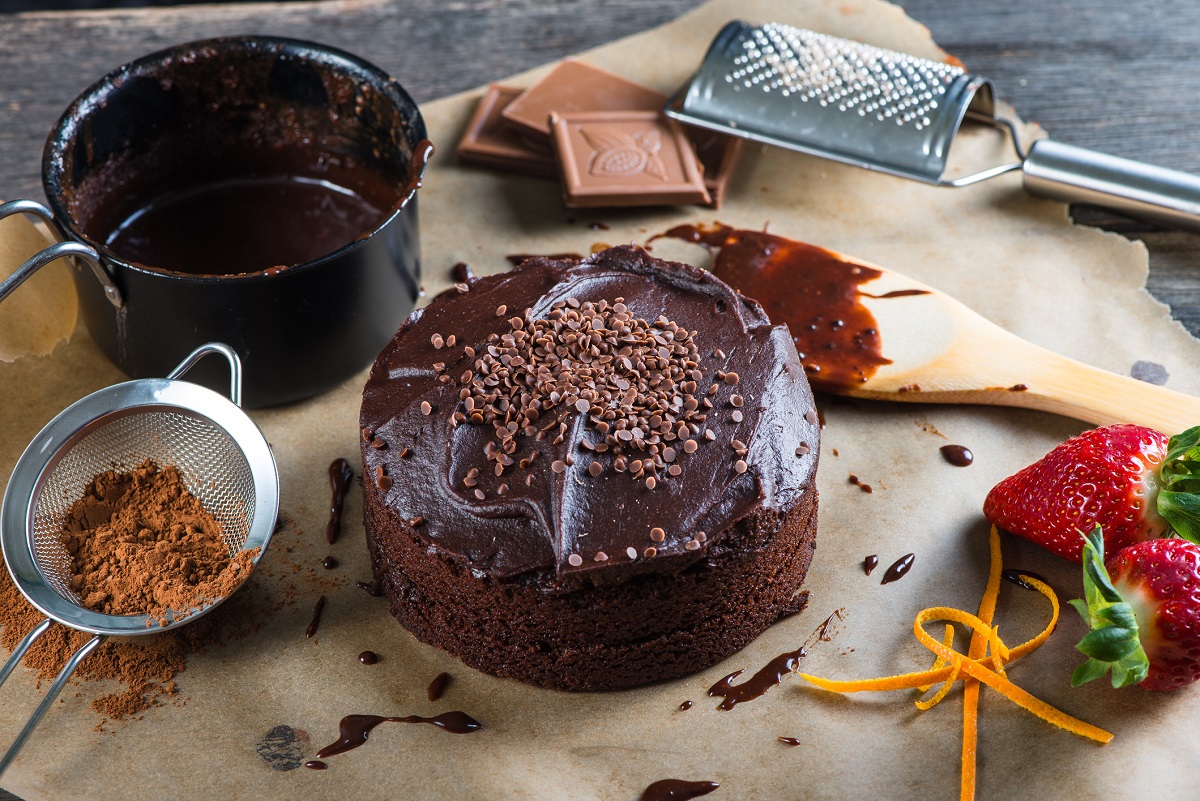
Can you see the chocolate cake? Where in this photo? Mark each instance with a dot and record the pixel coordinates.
(590, 475)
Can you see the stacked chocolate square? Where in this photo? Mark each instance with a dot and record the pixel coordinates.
(605, 137)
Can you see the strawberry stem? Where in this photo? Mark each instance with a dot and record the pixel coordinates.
(1113, 642)
(1179, 498)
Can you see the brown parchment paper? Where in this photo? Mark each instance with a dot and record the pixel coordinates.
(1015, 259)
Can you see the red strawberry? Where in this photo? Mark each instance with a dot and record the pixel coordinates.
(1127, 479)
(1144, 611)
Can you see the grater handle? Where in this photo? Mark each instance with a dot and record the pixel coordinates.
(1078, 175)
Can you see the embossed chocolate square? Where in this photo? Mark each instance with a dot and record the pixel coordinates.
(572, 87)
(625, 158)
(490, 141)
(719, 154)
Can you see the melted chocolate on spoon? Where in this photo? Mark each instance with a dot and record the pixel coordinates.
(815, 291)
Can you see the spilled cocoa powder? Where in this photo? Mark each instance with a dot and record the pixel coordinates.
(146, 666)
(140, 543)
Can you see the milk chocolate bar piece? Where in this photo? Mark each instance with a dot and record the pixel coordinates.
(625, 158)
(572, 87)
(490, 141)
(719, 154)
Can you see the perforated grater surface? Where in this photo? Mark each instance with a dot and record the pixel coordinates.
(834, 98)
(222, 456)
(898, 114)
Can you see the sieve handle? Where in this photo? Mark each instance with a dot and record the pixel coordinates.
(1077, 175)
(53, 253)
(235, 367)
(23, 646)
(51, 694)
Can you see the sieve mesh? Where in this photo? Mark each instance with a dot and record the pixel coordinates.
(841, 74)
(213, 467)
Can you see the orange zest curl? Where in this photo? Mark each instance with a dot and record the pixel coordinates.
(984, 663)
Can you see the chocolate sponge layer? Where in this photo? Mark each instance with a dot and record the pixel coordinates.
(607, 637)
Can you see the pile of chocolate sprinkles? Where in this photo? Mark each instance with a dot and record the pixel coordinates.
(638, 384)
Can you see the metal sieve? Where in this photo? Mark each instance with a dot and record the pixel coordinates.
(225, 462)
(899, 114)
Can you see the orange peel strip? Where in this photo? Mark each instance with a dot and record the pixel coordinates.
(987, 611)
(925, 679)
(982, 664)
(948, 641)
(970, 741)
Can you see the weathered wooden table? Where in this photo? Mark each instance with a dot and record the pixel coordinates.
(1106, 74)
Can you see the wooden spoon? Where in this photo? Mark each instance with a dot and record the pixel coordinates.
(868, 332)
(943, 352)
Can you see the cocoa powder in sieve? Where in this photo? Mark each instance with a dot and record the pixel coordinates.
(141, 543)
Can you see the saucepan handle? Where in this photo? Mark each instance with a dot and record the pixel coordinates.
(53, 253)
(1078, 175)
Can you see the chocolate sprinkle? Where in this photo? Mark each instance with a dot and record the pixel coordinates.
(632, 380)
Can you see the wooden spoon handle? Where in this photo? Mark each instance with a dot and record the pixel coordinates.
(1003, 370)
(1098, 396)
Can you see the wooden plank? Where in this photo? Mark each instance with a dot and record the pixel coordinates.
(1096, 73)
(431, 47)
(1111, 76)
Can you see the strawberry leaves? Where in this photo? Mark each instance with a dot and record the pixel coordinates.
(1113, 643)
(1179, 498)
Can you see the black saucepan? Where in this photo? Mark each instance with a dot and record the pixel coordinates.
(256, 191)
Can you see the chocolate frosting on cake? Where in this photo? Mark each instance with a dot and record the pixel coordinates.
(512, 418)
